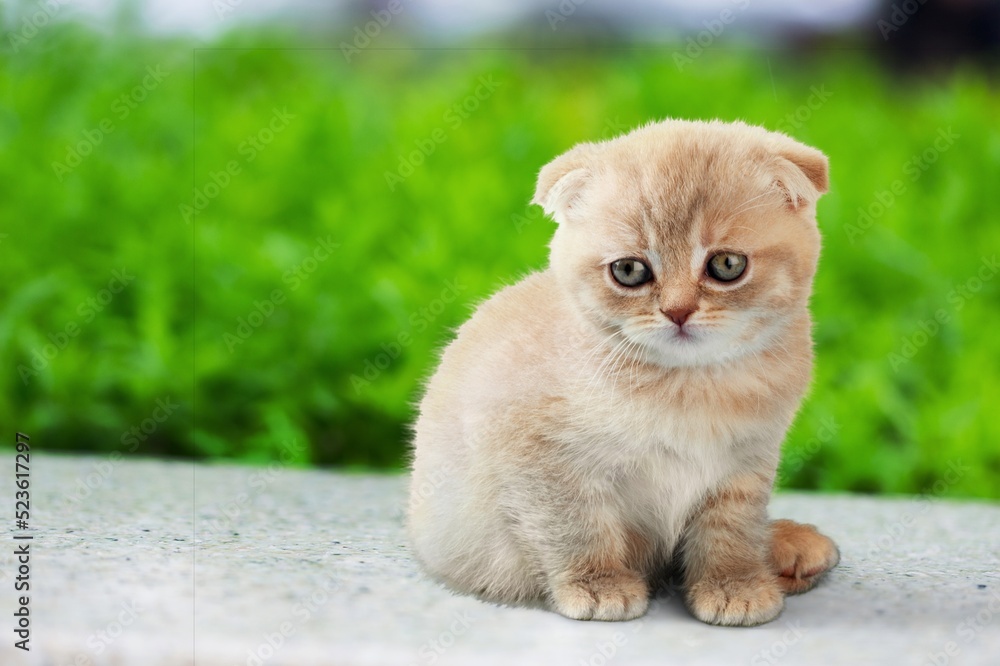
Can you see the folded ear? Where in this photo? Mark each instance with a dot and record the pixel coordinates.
(561, 180)
(803, 171)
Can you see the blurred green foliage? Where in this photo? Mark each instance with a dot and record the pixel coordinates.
(351, 214)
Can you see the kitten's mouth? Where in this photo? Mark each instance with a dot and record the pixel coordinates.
(684, 334)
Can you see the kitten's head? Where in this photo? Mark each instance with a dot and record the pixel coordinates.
(695, 241)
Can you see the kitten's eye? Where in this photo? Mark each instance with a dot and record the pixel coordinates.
(630, 272)
(727, 266)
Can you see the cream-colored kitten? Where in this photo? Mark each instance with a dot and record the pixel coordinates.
(625, 407)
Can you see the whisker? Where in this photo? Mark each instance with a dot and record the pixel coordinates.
(599, 373)
(619, 356)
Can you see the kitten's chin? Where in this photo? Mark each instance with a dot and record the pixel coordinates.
(693, 347)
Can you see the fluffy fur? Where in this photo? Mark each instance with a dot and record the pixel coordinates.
(575, 440)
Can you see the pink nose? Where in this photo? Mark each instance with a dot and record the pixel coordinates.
(678, 315)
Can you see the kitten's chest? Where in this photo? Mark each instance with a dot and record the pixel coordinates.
(697, 414)
(685, 420)
(659, 483)
(665, 453)
(680, 451)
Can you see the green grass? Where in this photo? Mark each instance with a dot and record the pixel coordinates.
(460, 217)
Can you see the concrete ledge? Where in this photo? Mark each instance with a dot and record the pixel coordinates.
(315, 562)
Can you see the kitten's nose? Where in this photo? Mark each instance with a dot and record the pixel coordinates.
(678, 315)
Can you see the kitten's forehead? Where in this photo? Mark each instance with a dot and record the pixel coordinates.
(676, 203)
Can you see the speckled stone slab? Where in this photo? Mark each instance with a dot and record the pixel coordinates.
(145, 562)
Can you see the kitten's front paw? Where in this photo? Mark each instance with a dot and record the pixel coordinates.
(736, 602)
(800, 555)
(613, 597)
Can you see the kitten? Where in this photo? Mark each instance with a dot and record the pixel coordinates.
(625, 407)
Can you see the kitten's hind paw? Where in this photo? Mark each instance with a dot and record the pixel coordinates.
(610, 597)
(800, 555)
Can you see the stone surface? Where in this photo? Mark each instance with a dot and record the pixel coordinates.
(148, 562)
